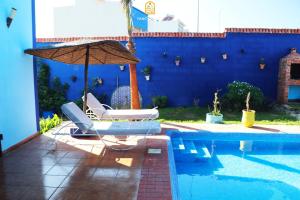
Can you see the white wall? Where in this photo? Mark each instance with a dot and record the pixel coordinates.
(90, 18)
(165, 26)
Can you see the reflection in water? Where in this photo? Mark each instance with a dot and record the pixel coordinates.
(242, 169)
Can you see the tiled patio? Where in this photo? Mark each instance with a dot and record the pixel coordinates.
(85, 169)
(81, 169)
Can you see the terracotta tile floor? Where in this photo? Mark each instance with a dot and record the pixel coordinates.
(76, 169)
(85, 169)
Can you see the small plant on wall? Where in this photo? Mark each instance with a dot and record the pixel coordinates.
(177, 60)
(164, 54)
(202, 59)
(224, 56)
(122, 67)
(147, 72)
(262, 64)
(97, 82)
(74, 78)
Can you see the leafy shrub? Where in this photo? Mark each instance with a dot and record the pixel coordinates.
(47, 124)
(50, 98)
(160, 101)
(234, 99)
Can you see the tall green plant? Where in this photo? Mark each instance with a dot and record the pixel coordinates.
(52, 94)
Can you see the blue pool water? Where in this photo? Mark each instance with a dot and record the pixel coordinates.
(240, 167)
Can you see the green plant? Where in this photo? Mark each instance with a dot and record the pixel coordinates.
(216, 105)
(235, 97)
(160, 101)
(147, 70)
(74, 78)
(47, 124)
(52, 94)
(96, 82)
(247, 102)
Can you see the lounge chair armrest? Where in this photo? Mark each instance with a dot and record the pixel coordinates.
(107, 106)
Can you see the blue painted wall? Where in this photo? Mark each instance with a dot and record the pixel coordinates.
(193, 79)
(139, 19)
(18, 112)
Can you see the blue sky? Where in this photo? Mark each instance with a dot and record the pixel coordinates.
(215, 15)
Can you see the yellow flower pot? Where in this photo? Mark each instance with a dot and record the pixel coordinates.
(248, 118)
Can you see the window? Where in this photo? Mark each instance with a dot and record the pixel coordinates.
(295, 71)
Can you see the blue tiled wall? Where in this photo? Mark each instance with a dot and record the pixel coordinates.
(192, 79)
(17, 99)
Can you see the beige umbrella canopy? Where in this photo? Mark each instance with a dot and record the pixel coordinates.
(86, 52)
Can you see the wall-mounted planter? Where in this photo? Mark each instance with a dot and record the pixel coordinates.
(177, 61)
(164, 54)
(97, 82)
(147, 72)
(74, 78)
(100, 81)
(122, 67)
(202, 60)
(224, 56)
(262, 64)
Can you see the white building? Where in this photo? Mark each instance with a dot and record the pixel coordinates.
(167, 24)
(90, 18)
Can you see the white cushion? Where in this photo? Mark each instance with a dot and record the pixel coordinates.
(131, 114)
(76, 115)
(95, 105)
(126, 128)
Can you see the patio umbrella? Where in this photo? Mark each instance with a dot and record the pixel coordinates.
(87, 53)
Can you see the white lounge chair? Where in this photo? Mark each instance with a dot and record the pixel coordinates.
(101, 113)
(87, 127)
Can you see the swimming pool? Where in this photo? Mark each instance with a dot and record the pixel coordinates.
(234, 166)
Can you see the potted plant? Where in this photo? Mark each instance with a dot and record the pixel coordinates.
(248, 118)
(215, 116)
(147, 72)
(165, 54)
(177, 60)
(97, 82)
(202, 59)
(74, 78)
(122, 67)
(262, 63)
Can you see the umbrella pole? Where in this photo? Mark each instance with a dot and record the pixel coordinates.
(86, 67)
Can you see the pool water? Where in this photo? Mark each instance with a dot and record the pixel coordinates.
(216, 169)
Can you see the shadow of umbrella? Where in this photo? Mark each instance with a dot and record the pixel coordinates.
(88, 53)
